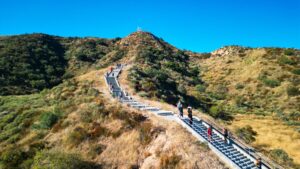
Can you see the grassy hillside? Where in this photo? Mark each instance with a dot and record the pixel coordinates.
(29, 63)
(263, 86)
(163, 72)
(226, 84)
(255, 81)
(32, 62)
(52, 115)
(73, 125)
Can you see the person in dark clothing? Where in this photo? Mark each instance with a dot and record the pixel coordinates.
(258, 163)
(190, 114)
(225, 134)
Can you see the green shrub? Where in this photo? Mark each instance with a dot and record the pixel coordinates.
(12, 157)
(294, 116)
(77, 136)
(289, 52)
(296, 71)
(218, 112)
(47, 120)
(293, 91)
(286, 60)
(269, 82)
(200, 88)
(59, 160)
(85, 115)
(240, 101)
(281, 157)
(246, 133)
(239, 86)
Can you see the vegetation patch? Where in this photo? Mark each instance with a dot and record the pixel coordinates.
(246, 133)
(169, 161)
(281, 157)
(60, 160)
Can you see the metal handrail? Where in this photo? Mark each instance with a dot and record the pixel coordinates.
(265, 160)
(245, 147)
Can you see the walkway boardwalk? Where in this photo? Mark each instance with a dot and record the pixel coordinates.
(233, 154)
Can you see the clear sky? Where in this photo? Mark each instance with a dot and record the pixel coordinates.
(197, 25)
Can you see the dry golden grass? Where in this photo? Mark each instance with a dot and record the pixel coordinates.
(127, 150)
(271, 134)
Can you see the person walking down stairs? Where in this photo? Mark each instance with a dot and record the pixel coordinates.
(225, 134)
(190, 114)
(209, 133)
(180, 109)
(258, 163)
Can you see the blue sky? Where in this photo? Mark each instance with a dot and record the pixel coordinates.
(197, 25)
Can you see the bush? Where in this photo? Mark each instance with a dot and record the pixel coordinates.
(293, 91)
(240, 101)
(145, 133)
(294, 116)
(281, 157)
(59, 160)
(286, 60)
(289, 52)
(246, 133)
(200, 88)
(296, 71)
(169, 161)
(217, 112)
(77, 136)
(269, 82)
(11, 158)
(239, 86)
(47, 120)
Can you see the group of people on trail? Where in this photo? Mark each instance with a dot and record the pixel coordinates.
(189, 110)
(120, 95)
(209, 128)
(225, 132)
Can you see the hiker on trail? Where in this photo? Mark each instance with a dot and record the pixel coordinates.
(111, 87)
(209, 133)
(190, 114)
(258, 163)
(225, 134)
(111, 69)
(180, 109)
(121, 95)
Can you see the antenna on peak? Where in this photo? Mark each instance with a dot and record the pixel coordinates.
(139, 29)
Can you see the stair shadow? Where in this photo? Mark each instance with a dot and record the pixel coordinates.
(165, 114)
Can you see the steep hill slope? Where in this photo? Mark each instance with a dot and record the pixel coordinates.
(260, 87)
(231, 84)
(32, 62)
(73, 126)
(75, 123)
(160, 70)
(67, 114)
(266, 78)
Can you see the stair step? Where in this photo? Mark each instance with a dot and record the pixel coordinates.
(217, 141)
